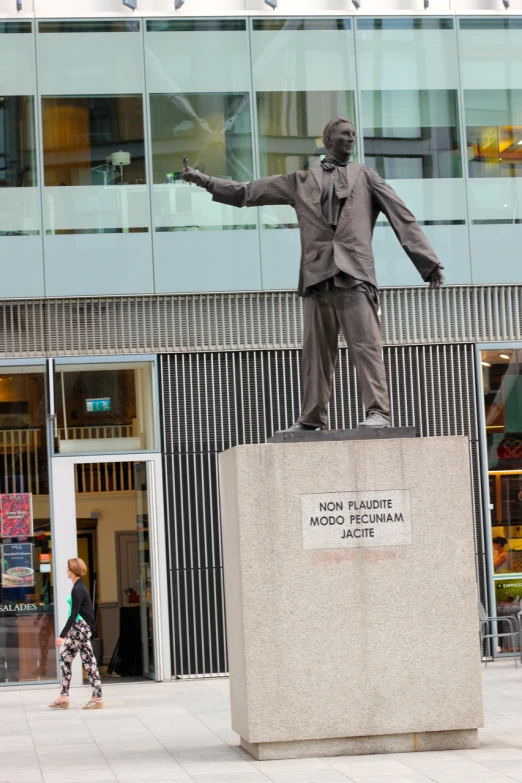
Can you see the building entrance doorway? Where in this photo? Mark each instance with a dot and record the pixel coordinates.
(112, 527)
(107, 510)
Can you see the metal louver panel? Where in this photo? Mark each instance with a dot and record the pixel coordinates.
(244, 321)
(213, 401)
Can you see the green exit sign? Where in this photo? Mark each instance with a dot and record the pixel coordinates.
(102, 405)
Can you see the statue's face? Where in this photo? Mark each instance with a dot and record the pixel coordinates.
(342, 140)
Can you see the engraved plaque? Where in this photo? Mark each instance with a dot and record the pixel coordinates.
(335, 520)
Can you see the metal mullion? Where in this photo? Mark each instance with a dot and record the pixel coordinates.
(454, 361)
(197, 506)
(399, 397)
(347, 362)
(389, 384)
(277, 396)
(198, 359)
(425, 353)
(213, 566)
(446, 387)
(341, 385)
(435, 419)
(291, 357)
(221, 575)
(191, 561)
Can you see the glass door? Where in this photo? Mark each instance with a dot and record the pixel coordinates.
(144, 564)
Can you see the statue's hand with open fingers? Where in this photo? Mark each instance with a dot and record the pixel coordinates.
(193, 175)
(436, 279)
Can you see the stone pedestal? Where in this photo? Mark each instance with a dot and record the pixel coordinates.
(351, 597)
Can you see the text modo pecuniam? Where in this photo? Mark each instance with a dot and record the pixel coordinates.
(383, 511)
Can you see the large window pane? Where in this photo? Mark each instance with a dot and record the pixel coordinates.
(104, 408)
(491, 64)
(291, 127)
(17, 142)
(93, 140)
(27, 629)
(412, 134)
(199, 83)
(407, 71)
(304, 75)
(20, 206)
(211, 129)
(494, 132)
(96, 204)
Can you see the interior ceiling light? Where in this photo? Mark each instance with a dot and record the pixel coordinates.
(131, 4)
(271, 3)
(485, 364)
(178, 4)
(356, 3)
(504, 356)
(506, 3)
(426, 3)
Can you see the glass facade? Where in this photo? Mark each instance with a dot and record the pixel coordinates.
(27, 630)
(91, 196)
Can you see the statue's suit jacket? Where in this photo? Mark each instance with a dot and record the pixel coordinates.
(349, 248)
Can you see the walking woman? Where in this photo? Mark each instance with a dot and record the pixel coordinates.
(76, 637)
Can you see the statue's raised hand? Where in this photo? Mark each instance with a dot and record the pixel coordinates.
(436, 278)
(193, 175)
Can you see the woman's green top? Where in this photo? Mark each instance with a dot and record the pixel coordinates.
(69, 604)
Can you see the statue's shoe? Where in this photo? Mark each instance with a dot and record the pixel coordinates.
(375, 419)
(298, 427)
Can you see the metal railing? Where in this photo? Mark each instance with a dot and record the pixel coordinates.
(89, 433)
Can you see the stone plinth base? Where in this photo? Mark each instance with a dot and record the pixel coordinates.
(462, 739)
(351, 596)
(321, 436)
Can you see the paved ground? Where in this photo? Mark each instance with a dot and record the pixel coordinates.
(180, 732)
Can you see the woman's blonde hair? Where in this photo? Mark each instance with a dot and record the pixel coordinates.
(77, 566)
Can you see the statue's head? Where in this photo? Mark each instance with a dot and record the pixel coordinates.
(339, 137)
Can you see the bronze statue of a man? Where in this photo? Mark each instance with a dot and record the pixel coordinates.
(337, 204)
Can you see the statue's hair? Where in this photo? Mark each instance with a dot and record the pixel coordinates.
(332, 125)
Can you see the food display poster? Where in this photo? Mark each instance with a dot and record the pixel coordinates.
(17, 565)
(16, 515)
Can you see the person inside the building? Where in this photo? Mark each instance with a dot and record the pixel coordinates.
(500, 557)
(76, 638)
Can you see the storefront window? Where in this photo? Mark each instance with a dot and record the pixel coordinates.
(104, 408)
(502, 380)
(27, 630)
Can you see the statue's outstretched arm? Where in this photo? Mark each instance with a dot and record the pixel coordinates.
(407, 230)
(279, 189)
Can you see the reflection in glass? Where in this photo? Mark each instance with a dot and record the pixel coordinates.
(502, 382)
(27, 631)
(291, 127)
(104, 408)
(93, 140)
(494, 132)
(412, 134)
(211, 129)
(17, 142)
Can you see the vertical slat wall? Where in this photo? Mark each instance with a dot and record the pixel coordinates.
(212, 401)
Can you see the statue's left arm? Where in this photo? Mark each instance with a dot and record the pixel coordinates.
(407, 230)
